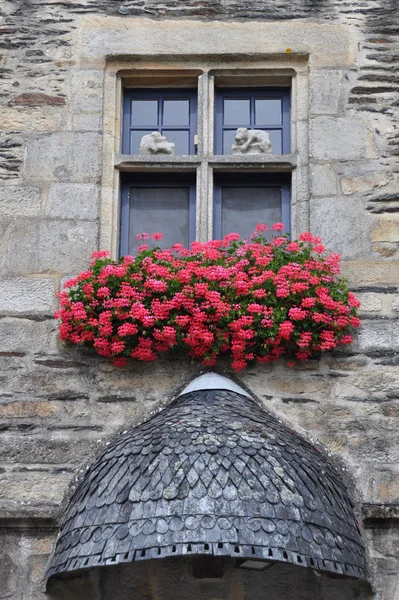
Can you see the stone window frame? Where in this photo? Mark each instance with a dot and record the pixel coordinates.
(208, 71)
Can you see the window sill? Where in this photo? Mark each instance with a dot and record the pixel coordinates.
(136, 162)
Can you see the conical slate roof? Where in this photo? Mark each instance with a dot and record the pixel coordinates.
(212, 473)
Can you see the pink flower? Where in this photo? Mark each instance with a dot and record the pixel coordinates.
(142, 248)
(157, 236)
(319, 248)
(277, 227)
(261, 227)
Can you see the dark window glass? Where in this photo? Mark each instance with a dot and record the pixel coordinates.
(171, 112)
(244, 200)
(159, 209)
(243, 208)
(161, 203)
(266, 109)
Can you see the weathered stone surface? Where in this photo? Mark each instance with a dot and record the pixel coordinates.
(66, 246)
(342, 138)
(325, 88)
(19, 201)
(156, 143)
(28, 296)
(385, 229)
(343, 226)
(63, 156)
(370, 272)
(87, 91)
(19, 335)
(379, 335)
(8, 575)
(323, 180)
(38, 99)
(73, 201)
(359, 185)
(23, 410)
(251, 141)
(370, 302)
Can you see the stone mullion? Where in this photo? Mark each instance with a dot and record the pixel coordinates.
(204, 212)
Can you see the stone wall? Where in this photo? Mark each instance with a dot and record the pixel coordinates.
(59, 405)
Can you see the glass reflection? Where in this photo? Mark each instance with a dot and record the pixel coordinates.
(244, 207)
(180, 140)
(237, 112)
(176, 112)
(159, 209)
(144, 112)
(267, 112)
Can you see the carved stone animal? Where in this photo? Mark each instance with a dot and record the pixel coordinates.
(251, 141)
(156, 143)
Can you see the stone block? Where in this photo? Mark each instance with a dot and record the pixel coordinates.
(385, 229)
(395, 304)
(369, 272)
(34, 486)
(27, 296)
(328, 45)
(66, 246)
(86, 90)
(19, 201)
(323, 180)
(63, 156)
(341, 138)
(343, 225)
(18, 335)
(379, 335)
(370, 302)
(38, 99)
(87, 122)
(39, 118)
(325, 87)
(23, 410)
(360, 185)
(23, 247)
(73, 201)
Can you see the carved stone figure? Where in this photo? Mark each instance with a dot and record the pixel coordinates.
(156, 143)
(251, 141)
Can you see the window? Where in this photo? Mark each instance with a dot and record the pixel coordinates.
(242, 201)
(267, 110)
(204, 192)
(160, 202)
(171, 112)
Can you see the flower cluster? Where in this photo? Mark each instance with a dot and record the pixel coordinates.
(255, 300)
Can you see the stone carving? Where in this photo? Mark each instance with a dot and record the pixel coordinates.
(156, 143)
(251, 141)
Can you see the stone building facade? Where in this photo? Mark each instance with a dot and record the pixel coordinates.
(63, 67)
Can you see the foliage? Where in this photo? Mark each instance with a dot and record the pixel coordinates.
(252, 299)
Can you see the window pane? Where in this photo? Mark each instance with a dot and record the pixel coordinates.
(268, 112)
(159, 209)
(236, 112)
(180, 140)
(135, 139)
(244, 207)
(176, 112)
(228, 140)
(275, 138)
(145, 112)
